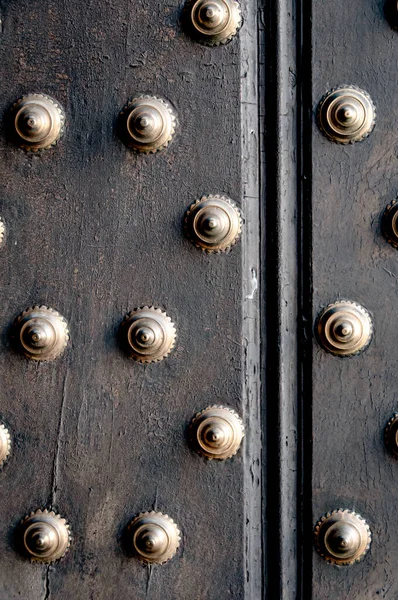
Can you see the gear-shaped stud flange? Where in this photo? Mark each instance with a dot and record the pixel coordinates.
(342, 537)
(212, 22)
(389, 223)
(147, 334)
(45, 536)
(216, 432)
(41, 333)
(344, 328)
(153, 537)
(5, 444)
(147, 124)
(39, 122)
(346, 114)
(2, 232)
(213, 223)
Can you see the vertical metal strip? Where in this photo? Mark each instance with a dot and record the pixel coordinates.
(251, 382)
(281, 294)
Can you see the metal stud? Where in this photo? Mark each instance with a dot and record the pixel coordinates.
(2, 232)
(391, 12)
(389, 223)
(342, 537)
(45, 536)
(216, 432)
(213, 223)
(212, 22)
(153, 537)
(41, 333)
(39, 122)
(5, 444)
(344, 328)
(147, 124)
(346, 114)
(391, 435)
(148, 334)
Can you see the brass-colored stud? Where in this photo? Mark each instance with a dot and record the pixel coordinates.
(41, 333)
(39, 122)
(213, 223)
(147, 124)
(5, 444)
(2, 232)
(389, 223)
(391, 435)
(212, 22)
(216, 432)
(45, 536)
(344, 328)
(342, 537)
(153, 537)
(346, 114)
(148, 334)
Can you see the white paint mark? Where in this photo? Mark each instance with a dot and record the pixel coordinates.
(254, 285)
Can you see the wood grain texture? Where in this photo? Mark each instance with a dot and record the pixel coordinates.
(354, 398)
(94, 231)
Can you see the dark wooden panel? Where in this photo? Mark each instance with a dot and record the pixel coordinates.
(353, 398)
(93, 231)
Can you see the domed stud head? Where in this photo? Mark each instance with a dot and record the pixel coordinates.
(346, 115)
(2, 232)
(344, 328)
(5, 444)
(391, 435)
(213, 223)
(45, 536)
(216, 432)
(212, 22)
(41, 333)
(342, 537)
(147, 124)
(39, 122)
(148, 334)
(153, 537)
(389, 223)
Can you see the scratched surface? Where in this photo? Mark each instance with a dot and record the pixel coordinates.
(354, 398)
(93, 231)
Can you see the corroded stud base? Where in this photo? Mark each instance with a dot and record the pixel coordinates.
(391, 435)
(45, 536)
(39, 122)
(344, 328)
(147, 124)
(216, 432)
(342, 537)
(346, 114)
(212, 22)
(41, 333)
(153, 537)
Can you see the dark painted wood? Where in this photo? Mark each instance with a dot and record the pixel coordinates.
(353, 399)
(94, 231)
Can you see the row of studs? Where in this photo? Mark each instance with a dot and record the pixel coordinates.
(215, 433)
(213, 223)
(346, 115)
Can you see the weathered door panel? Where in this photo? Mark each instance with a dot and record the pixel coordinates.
(94, 231)
(353, 398)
